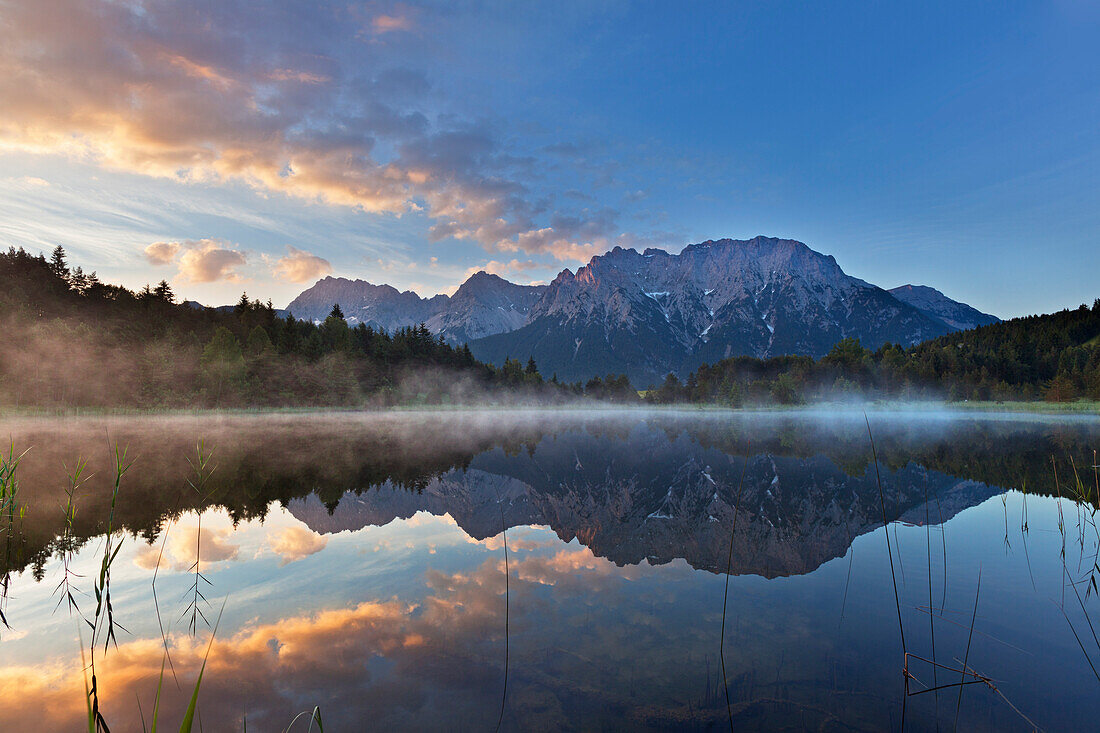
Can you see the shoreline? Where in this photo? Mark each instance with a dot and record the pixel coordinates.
(1080, 408)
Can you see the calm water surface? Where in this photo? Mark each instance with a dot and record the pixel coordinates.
(358, 564)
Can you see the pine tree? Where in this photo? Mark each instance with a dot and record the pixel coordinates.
(243, 305)
(58, 264)
(259, 343)
(78, 281)
(164, 291)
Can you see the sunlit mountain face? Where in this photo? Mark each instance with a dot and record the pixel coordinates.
(628, 568)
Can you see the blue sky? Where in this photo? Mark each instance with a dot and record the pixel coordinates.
(231, 148)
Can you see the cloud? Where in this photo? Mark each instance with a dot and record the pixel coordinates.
(33, 181)
(299, 266)
(494, 267)
(549, 241)
(163, 89)
(203, 260)
(179, 549)
(266, 669)
(162, 253)
(496, 543)
(296, 543)
(448, 643)
(389, 23)
(300, 653)
(209, 260)
(302, 77)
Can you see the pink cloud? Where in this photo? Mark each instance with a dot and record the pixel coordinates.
(390, 23)
(178, 551)
(200, 261)
(162, 253)
(493, 267)
(296, 543)
(211, 262)
(299, 266)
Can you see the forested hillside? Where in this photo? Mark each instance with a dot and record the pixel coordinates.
(1055, 357)
(73, 340)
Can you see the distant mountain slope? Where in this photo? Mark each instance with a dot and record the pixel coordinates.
(380, 306)
(646, 314)
(196, 305)
(485, 304)
(937, 305)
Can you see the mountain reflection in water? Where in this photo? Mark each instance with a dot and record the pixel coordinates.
(361, 559)
(648, 497)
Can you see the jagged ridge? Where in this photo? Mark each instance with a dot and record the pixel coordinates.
(646, 314)
(484, 305)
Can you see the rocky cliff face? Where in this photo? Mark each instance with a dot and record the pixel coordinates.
(650, 313)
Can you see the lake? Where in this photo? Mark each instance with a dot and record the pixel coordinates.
(545, 569)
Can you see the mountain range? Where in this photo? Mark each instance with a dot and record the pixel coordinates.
(482, 306)
(649, 313)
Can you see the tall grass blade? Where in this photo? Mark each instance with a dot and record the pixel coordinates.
(886, 528)
(316, 717)
(966, 656)
(156, 699)
(931, 616)
(189, 715)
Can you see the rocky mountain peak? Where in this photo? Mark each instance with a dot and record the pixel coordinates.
(654, 312)
(483, 305)
(484, 283)
(564, 276)
(648, 313)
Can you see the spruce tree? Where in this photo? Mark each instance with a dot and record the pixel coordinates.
(58, 264)
(164, 291)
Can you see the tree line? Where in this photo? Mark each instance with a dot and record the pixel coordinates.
(1054, 357)
(74, 340)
